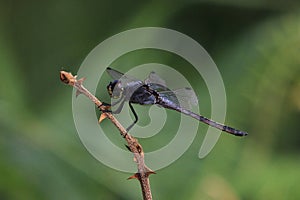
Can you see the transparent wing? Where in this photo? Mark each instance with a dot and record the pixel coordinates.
(125, 81)
(188, 95)
(184, 97)
(114, 73)
(154, 78)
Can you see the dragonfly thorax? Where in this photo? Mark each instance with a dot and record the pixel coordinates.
(143, 96)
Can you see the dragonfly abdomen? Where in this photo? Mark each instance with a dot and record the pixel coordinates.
(205, 120)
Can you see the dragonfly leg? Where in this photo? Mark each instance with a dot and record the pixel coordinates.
(118, 101)
(119, 108)
(108, 109)
(135, 116)
(107, 106)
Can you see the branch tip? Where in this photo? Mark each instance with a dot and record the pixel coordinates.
(67, 78)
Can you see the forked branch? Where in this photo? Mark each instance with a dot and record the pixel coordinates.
(132, 143)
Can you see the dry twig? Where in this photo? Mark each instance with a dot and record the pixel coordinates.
(132, 143)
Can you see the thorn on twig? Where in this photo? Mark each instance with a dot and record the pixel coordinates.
(102, 117)
(80, 81)
(134, 176)
(104, 107)
(138, 176)
(150, 172)
(78, 93)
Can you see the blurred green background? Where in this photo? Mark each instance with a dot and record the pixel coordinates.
(256, 46)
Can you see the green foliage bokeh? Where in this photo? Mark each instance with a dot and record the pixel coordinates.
(256, 46)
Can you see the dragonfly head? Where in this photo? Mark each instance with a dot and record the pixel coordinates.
(114, 89)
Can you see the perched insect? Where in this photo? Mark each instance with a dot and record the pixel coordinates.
(154, 91)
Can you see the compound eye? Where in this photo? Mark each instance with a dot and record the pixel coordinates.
(110, 88)
(115, 89)
(110, 91)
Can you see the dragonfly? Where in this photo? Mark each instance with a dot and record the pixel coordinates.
(153, 91)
